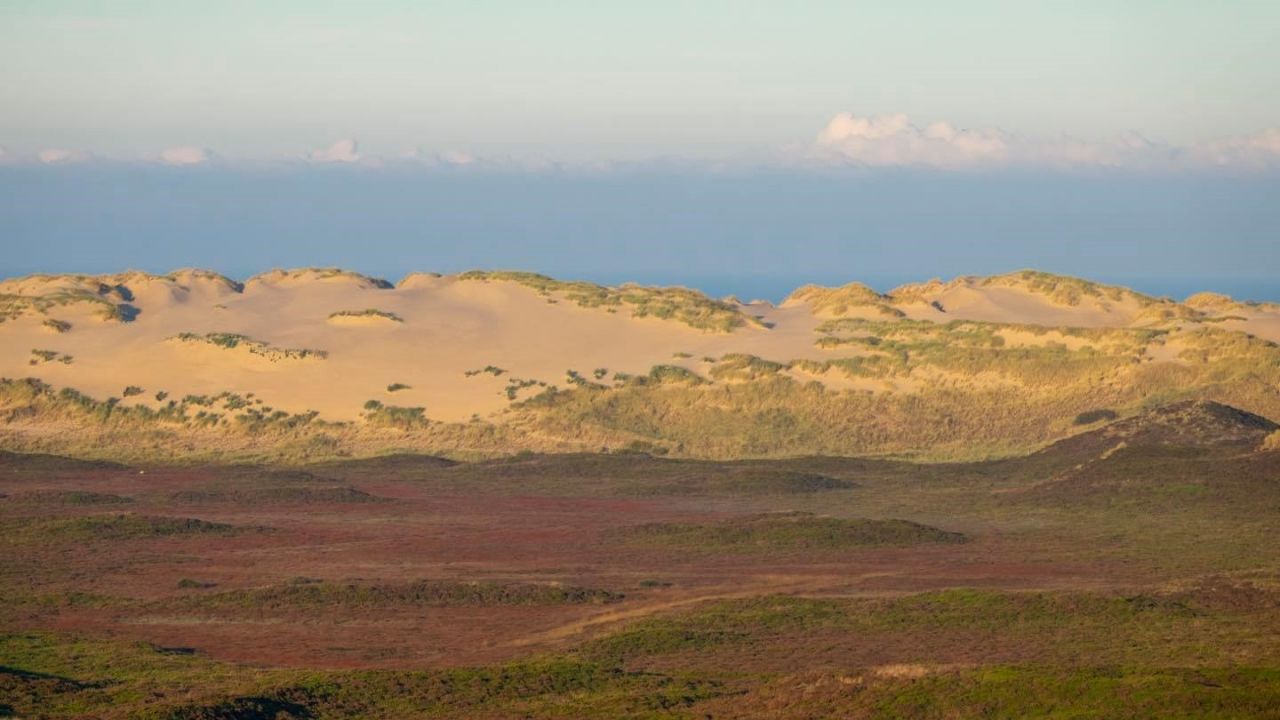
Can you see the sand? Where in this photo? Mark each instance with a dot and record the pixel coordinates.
(448, 326)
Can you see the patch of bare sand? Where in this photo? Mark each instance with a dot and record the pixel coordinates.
(450, 329)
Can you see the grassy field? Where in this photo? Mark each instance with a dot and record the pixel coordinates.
(1128, 571)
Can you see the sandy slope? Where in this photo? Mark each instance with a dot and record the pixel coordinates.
(449, 326)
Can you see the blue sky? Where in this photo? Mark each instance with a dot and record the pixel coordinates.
(594, 81)
(741, 147)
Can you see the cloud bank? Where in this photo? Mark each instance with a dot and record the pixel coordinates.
(848, 140)
(343, 151)
(893, 140)
(186, 155)
(61, 156)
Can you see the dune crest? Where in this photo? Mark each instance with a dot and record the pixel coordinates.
(589, 365)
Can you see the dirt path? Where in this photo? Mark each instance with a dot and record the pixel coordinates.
(771, 584)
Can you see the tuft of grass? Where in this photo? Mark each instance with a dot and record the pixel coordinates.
(394, 416)
(1090, 417)
(231, 341)
(367, 313)
(58, 326)
(493, 370)
(672, 303)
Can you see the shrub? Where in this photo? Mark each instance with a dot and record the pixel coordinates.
(231, 341)
(1092, 416)
(189, 584)
(367, 313)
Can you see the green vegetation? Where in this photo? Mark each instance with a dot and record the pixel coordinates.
(276, 495)
(941, 384)
(44, 356)
(397, 387)
(189, 584)
(105, 527)
(675, 303)
(58, 326)
(737, 366)
(367, 313)
(324, 273)
(784, 530)
(421, 593)
(155, 683)
(664, 374)
(1093, 416)
(132, 390)
(515, 385)
(75, 498)
(231, 341)
(109, 302)
(740, 480)
(394, 416)
(839, 301)
(490, 369)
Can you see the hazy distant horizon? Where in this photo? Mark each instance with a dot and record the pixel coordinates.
(749, 233)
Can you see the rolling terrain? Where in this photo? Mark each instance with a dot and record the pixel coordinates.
(1129, 570)
(309, 365)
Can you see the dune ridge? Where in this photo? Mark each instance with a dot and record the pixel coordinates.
(476, 360)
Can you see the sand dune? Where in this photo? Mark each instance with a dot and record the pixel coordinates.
(330, 341)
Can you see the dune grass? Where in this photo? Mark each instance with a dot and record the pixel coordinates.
(232, 341)
(673, 303)
(371, 313)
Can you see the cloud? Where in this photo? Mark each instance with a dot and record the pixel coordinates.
(60, 156)
(343, 151)
(186, 155)
(891, 140)
(1258, 151)
(444, 158)
(894, 141)
(456, 158)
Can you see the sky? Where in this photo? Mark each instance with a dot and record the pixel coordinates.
(742, 146)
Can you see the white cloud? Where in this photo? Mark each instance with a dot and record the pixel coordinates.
(894, 141)
(891, 140)
(186, 155)
(456, 157)
(1258, 151)
(343, 151)
(60, 156)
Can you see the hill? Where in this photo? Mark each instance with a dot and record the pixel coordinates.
(315, 364)
(1179, 455)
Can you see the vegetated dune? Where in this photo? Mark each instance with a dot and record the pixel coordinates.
(317, 363)
(1176, 456)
